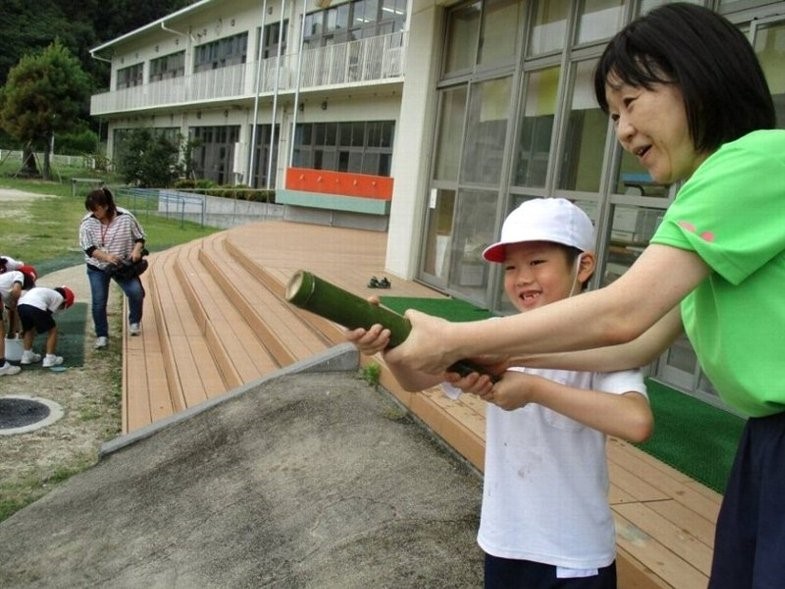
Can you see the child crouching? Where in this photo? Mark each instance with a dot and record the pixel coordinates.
(36, 309)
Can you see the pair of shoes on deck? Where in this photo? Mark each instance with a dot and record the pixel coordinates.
(376, 283)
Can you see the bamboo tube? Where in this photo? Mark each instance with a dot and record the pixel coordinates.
(314, 294)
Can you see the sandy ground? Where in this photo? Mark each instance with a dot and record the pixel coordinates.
(89, 396)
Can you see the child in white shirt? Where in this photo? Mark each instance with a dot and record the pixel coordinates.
(545, 519)
(36, 309)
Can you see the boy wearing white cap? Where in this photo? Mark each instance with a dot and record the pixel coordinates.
(545, 518)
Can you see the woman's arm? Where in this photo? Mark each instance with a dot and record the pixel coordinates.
(615, 314)
(375, 340)
(641, 351)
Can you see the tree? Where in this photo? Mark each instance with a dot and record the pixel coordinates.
(149, 159)
(45, 94)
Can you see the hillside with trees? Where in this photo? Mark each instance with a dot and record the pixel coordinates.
(64, 30)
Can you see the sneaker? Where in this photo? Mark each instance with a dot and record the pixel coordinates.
(52, 360)
(373, 282)
(8, 369)
(101, 342)
(29, 357)
(134, 328)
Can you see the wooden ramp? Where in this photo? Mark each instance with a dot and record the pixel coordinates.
(215, 319)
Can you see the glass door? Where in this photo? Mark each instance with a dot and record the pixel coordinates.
(768, 38)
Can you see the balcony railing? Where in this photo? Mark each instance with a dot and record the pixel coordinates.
(375, 59)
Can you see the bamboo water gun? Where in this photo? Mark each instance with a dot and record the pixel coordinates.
(314, 294)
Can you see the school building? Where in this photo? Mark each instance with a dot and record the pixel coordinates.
(427, 119)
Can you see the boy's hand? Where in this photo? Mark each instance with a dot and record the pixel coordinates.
(474, 383)
(513, 391)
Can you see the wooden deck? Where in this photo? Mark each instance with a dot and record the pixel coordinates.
(215, 318)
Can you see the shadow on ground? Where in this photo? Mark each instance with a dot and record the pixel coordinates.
(302, 480)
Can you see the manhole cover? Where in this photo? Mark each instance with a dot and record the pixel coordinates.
(22, 413)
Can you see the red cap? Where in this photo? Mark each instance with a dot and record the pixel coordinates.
(68, 294)
(30, 274)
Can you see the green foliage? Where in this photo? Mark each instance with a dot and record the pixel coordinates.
(82, 141)
(45, 94)
(371, 373)
(238, 191)
(149, 159)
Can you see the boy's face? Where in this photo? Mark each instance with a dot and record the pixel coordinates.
(537, 273)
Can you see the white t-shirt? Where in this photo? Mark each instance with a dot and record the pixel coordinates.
(46, 299)
(7, 280)
(545, 492)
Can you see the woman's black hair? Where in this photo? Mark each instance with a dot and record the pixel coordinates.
(711, 61)
(101, 197)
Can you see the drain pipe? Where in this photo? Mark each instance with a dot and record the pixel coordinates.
(297, 88)
(275, 96)
(257, 90)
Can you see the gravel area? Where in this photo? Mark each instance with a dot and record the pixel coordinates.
(32, 462)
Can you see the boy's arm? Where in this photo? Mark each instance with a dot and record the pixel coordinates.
(639, 352)
(627, 415)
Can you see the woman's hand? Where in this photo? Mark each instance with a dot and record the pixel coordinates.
(370, 341)
(424, 349)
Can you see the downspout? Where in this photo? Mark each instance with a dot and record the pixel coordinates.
(297, 88)
(252, 153)
(168, 30)
(275, 96)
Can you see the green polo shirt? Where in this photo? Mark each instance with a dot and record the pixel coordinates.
(731, 212)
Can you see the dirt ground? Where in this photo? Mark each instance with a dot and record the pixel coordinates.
(31, 463)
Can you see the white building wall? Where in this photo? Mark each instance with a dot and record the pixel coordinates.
(414, 140)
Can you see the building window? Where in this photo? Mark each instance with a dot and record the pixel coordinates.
(449, 140)
(352, 21)
(587, 126)
(600, 19)
(221, 53)
(130, 76)
(272, 33)
(463, 37)
(501, 24)
(213, 154)
(262, 155)
(486, 131)
(549, 30)
(363, 147)
(536, 128)
(168, 66)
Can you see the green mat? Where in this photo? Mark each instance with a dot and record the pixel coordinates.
(691, 436)
(70, 337)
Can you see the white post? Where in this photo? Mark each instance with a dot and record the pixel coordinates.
(251, 158)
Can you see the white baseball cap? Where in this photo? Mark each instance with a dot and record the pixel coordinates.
(544, 219)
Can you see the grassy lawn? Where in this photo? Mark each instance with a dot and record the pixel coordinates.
(44, 232)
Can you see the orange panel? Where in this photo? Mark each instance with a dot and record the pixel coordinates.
(340, 183)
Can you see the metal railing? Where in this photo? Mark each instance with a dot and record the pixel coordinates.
(375, 59)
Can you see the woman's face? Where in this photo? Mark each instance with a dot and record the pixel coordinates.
(100, 212)
(652, 126)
